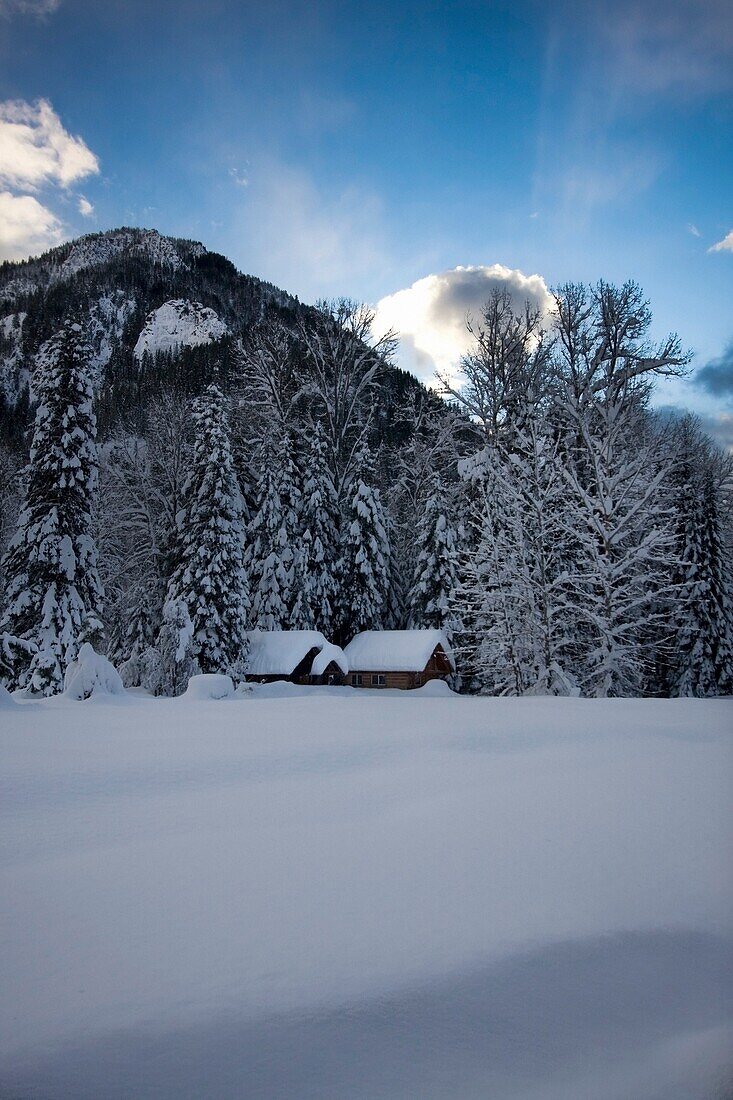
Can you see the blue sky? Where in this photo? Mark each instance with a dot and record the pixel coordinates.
(346, 148)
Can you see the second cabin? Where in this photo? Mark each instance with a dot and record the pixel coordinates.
(398, 658)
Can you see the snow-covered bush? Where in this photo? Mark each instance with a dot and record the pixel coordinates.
(91, 674)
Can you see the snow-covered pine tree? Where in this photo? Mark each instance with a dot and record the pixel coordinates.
(435, 575)
(53, 590)
(166, 667)
(9, 655)
(701, 646)
(210, 578)
(365, 558)
(317, 565)
(274, 540)
(490, 608)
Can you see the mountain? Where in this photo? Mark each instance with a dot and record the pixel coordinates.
(155, 308)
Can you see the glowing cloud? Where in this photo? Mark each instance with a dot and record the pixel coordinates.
(430, 316)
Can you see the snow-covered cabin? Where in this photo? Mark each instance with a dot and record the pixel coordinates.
(300, 656)
(398, 658)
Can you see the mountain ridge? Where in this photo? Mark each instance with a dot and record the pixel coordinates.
(149, 303)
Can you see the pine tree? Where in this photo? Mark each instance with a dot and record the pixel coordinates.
(702, 642)
(166, 667)
(365, 563)
(53, 590)
(273, 540)
(209, 578)
(490, 608)
(435, 575)
(317, 559)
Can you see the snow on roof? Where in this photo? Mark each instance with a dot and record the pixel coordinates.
(279, 652)
(323, 659)
(395, 650)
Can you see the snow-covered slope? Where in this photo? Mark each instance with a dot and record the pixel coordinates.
(13, 370)
(99, 249)
(179, 323)
(327, 893)
(106, 326)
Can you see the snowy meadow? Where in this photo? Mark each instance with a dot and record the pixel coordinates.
(314, 892)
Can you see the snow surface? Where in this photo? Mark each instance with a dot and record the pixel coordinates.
(179, 323)
(395, 650)
(6, 699)
(327, 893)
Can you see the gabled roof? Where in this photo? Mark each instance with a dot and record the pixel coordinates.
(395, 650)
(279, 652)
(328, 654)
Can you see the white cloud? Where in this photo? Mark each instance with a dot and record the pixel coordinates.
(726, 245)
(693, 230)
(28, 7)
(430, 316)
(35, 149)
(26, 227)
(85, 207)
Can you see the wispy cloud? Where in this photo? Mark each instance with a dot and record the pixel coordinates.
(85, 208)
(693, 230)
(313, 241)
(684, 48)
(39, 8)
(430, 316)
(610, 174)
(26, 226)
(321, 113)
(726, 245)
(239, 177)
(36, 150)
(606, 68)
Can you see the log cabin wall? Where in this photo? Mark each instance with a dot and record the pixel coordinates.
(437, 667)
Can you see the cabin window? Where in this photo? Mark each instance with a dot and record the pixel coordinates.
(378, 680)
(356, 680)
(418, 679)
(331, 679)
